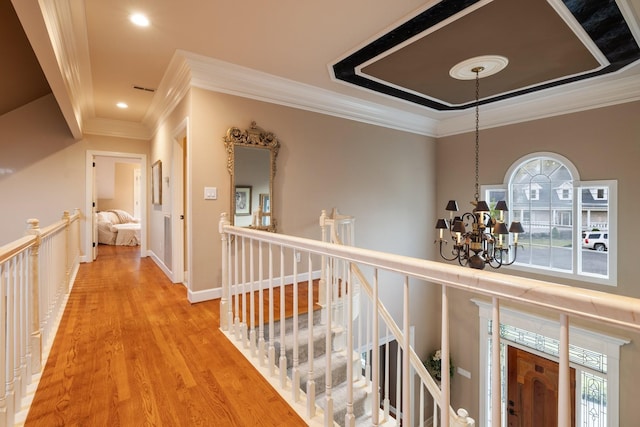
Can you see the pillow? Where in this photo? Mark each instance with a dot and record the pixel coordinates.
(123, 217)
(106, 217)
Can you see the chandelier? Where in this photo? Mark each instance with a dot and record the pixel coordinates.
(479, 237)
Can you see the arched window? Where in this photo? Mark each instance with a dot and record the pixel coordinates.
(569, 224)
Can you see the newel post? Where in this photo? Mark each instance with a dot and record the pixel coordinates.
(224, 301)
(35, 342)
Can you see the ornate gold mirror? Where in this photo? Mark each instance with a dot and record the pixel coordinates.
(251, 162)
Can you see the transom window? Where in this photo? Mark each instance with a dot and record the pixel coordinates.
(544, 192)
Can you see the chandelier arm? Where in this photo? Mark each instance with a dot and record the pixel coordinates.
(515, 254)
(452, 251)
(463, 256)
(498, 259)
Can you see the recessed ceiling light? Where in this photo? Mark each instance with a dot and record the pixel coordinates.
(122, 105)
(139, 19)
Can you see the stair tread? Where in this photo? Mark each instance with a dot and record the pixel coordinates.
(339, 395)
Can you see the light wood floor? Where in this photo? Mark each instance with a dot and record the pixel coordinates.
(132, 351)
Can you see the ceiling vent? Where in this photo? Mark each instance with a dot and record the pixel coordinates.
(144, 89)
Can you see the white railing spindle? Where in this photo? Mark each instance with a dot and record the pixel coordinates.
(406, 365)
(252, 302)
(283, 353)
(272, 332)
(36, 273)
(261, 349)
(564, 387)
(496, 374)
(444, 360)
(311, 384)
(295, 373)
(328, 406)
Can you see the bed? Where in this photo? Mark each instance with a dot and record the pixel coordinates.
(117, 227)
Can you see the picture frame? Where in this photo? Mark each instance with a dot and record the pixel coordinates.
(265, 202)
(243, 200)
(156, 183)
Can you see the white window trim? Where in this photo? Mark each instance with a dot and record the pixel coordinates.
(576, 274)
(591, 340)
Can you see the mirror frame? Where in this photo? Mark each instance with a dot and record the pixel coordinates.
(255, 138)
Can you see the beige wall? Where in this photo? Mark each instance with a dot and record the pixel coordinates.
(603, 144)
(49, 166)
(383, 177)
(123, 188)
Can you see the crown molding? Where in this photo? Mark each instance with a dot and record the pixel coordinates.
(117, 128)
(580, 96)
(219, 76)
(49, 26)
(173, 87)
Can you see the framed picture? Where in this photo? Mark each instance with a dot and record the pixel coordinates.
(265, 202)
(156, 183)
(243, 200)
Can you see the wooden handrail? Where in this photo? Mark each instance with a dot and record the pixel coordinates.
(604, 307)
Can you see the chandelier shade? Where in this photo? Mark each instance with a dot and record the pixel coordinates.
(483, 243)
(452, 206)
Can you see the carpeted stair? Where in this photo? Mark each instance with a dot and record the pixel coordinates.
(338, 364)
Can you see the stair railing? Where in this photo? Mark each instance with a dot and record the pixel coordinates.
(36, 273)
(241, 284)
(340, 229)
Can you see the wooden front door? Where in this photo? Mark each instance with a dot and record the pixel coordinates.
(533, 390)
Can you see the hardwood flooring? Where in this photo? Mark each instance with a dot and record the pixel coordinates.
(132, 351)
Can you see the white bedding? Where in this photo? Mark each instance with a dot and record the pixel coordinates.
(117, 227)
(128, 234)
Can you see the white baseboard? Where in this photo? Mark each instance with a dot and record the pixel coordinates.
(160, 264)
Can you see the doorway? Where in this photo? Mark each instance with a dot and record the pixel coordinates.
(180, 202)
(532, 390)
(136, 190)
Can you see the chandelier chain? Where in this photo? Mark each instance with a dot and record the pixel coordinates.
(477, 71)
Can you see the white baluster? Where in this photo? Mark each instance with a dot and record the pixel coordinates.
(349, 418)
(398, 384)
(244, 323)
(272, 348)
(375, 355)
(11, 339)
(283, 354)
(261, 354)
(328, 407)
(4, 285)
(386, 403)
(406, 361)
(311, 384)
(444, 360)
(252, 301)
(295, 374)
(236, 292)
(564, 387)
(496, 386)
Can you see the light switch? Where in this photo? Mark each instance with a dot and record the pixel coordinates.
(210, 193)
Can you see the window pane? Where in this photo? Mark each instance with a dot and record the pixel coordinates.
(541, 197)
(594, 213)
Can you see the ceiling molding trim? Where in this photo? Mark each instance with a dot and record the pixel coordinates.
(48, 25)
(615, 48)
(172, 89)
(580, 96)
(219, 76)
(117, 128)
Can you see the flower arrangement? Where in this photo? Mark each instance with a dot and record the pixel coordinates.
(434, 365)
